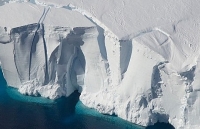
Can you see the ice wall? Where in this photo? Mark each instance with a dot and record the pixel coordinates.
(47, 59)
(144, 74)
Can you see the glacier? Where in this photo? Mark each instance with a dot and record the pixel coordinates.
(135, 59)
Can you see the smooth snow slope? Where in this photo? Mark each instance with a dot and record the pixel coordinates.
(129, 17)
(136, 59)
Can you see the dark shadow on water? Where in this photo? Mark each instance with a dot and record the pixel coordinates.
(16, 114)
(63, 113)
(161, 125)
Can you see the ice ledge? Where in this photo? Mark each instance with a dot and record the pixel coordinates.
(166, 89)
(33, 88)
(46, 60)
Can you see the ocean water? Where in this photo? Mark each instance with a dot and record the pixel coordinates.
(26, 112)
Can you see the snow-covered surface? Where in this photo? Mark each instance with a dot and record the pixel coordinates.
(129, 17)
(136, 59)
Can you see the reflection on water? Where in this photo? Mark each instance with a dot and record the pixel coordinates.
(24, 112)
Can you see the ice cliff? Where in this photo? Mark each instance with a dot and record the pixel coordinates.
(135, 59)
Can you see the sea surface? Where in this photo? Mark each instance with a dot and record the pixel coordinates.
(18, 111)
(27, 112)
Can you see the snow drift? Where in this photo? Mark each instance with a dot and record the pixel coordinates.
(137, 60)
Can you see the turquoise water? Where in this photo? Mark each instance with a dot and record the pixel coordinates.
(26, 112)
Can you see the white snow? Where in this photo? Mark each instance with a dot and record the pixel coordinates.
(136, 59)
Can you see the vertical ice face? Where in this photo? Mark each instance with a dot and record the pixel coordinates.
(46, 58)
(51, 60)
(29, 53)
(54, 36)
(78, 70)
(55, 57)
(94, 67)
(143, 74)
